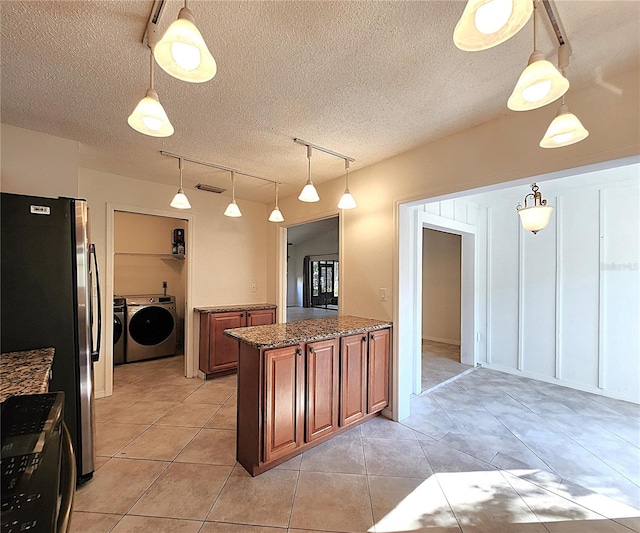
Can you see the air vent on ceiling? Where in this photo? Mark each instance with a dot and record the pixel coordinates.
(209, 188)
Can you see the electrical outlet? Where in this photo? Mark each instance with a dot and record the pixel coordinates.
(383, 294)
(253, 287)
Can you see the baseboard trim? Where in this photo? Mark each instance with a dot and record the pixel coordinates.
(562, 382)
(443, 341)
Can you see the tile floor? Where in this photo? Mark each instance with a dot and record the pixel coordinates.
(307, 313)
(488, 452)
(440, 363)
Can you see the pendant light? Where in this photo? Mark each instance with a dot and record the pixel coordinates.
(347, 201)
(539, 84)
(534, 217)
(276, 215)
(182, 52)
(564, 130)
(149, 116)
(180, 200)
(232, 209)
(309, 193)
(487, 23)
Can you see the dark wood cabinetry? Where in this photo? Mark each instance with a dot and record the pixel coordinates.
(353, 378)
(219, 353)
(378, 393)
(295, 397)
(321, 388)
(284, 382)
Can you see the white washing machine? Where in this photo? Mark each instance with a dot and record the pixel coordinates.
(151, 326)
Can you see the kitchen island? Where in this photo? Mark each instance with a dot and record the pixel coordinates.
(301, 383)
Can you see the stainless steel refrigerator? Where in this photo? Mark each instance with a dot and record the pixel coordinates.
(50, 290)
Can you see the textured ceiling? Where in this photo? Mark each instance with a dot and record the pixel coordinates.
(369, 79)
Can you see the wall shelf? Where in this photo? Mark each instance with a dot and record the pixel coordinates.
(146, 254)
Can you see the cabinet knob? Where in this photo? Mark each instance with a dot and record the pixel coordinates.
(241, 315)
(299, 351)
(373, 337)
(312, 350)
(364, 339)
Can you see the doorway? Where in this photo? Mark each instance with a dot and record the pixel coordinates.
(313, 270)
(146, 250)
(441, 308)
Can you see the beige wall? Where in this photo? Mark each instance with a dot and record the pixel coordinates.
(140, 267)
(37, 164)
(498, 151)
(441, 279)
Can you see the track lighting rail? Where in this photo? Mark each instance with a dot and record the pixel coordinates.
(554, 22)
(215, 165)
(325, 150)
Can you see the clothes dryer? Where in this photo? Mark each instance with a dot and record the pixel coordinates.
(151, 326)
(119, 332)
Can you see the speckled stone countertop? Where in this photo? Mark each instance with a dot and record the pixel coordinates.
(277, 335)
(231, 308)
(25, 372)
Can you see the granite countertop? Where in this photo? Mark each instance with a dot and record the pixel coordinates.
(277, 335)
(231, 308)
(25, 372)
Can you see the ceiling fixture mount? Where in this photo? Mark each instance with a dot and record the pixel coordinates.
(540, 83)
(149, 117)
(232, 209)
(534, 217)
(180, 200)
(347, 201)
(487, 23)
(276, 215)
(309, 193)
(182, 52)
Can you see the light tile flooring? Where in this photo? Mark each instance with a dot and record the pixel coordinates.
(440, 363)
(307, 313)
(487, 453)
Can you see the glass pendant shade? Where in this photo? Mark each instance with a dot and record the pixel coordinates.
(180, 200)
(276, 215)
(182, 52)
(564, 130)
(309, 193)
(232, 210)
(487, 23)
(539, 84)
(536, 217)
(347, 201)
(149, 117)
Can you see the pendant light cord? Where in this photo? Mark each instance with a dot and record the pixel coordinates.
(180, 167)
(346, 168)
(233, 188)
(309, 164)
(277, 195)
(535, 7)
(150, 68)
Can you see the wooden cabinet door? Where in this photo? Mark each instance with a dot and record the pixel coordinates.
(261, 317)
(223, 350)
(353, 378)
(284, 382)
(322, 388)
(379, 348)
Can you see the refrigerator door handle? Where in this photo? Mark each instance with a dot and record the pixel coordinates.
(95, 354)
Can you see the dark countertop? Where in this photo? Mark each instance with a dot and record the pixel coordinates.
(231, 308)
(277, 335)
(25, 372)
